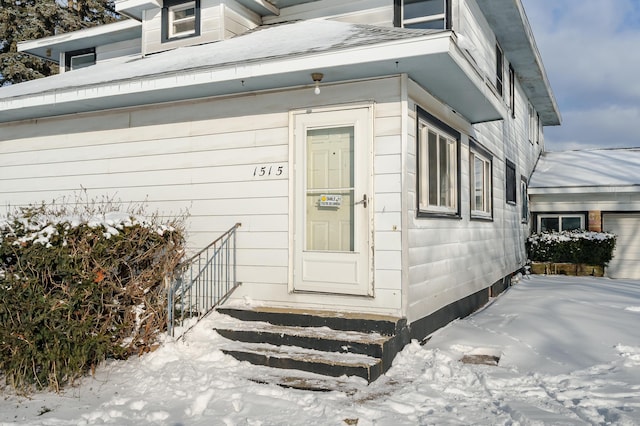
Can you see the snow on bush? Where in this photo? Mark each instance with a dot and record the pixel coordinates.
(593, 248)
(80, 283)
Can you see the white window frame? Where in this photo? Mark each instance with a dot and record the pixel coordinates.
(560, 217)
(445, 204)
(173, 21)
(430, 18)
(483, 160)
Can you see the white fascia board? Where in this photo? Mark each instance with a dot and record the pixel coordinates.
(608, 189)
(362, 62)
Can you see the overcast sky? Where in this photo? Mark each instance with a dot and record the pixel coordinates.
(591, 51)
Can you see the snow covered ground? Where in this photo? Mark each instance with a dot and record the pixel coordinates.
(569, 353)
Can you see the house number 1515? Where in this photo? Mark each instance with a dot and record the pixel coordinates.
(264, 171)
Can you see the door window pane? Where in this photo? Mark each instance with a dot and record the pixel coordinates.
(330, 189)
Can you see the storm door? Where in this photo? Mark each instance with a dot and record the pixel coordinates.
(332, 248)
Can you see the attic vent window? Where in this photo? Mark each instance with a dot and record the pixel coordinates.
(425, 14)
(180, 19)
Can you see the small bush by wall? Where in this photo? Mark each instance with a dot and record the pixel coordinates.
(80, 285)
(579, 247)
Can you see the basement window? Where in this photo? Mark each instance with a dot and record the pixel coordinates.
(423, 14)
(180, 19)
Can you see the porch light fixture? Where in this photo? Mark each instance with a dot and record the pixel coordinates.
(317, 78)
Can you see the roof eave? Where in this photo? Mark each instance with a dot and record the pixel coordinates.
(433, 61)
(587, 189)
(49, 48)
(513, 31)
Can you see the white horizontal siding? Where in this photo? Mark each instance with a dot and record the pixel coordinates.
(200, 157)
(608, 202)
(116, 50)
(453, 258)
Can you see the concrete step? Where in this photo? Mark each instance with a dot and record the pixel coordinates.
(310, 360)
(327, 343)
(319, 338)
(382, 324)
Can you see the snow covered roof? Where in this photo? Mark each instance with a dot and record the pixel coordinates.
(598, 170)
(271, 57)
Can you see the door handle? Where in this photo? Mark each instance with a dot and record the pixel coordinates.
(364, 201)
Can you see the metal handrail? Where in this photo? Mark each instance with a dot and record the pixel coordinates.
(202, 282)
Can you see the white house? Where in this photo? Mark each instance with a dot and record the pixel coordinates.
(598, 190)
(376, 152)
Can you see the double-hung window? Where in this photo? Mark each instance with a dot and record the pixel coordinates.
(480, 173)
(499, 70)
(524, 196)
(180, 19)
(438, 167)
(533, 124)
(423, 14)
(511, 186)
(512, 91)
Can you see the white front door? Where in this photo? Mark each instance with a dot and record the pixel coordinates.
(332, 214)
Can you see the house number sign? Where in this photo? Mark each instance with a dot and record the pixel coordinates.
(327, 200)
(268, 170)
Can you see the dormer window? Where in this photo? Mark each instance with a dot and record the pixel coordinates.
(423, 14)
(79, 59)
(180, 19)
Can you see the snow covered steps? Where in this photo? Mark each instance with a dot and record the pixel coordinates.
(330, 344)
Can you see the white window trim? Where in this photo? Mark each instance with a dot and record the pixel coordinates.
(172, 21)
(487, 191)
(560, 217)
(452, 142)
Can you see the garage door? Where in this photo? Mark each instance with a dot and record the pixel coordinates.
(626, 258)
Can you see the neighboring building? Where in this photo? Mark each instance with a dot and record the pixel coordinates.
(398, 190)
(597, 190)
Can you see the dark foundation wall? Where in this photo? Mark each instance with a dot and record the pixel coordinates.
(423, 327)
